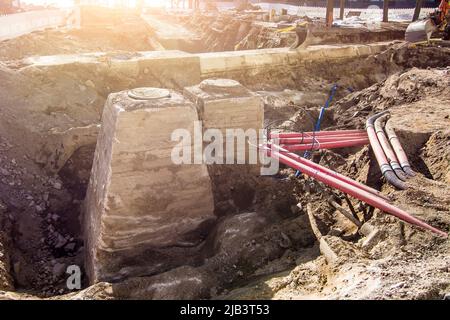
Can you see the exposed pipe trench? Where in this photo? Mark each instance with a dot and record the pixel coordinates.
(312, 170)
(398, 149)
(334, 174)
(383, 162)
(384, 142)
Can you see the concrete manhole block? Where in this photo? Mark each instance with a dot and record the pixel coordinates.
(131, 207)
(220, 85)
(148, 93)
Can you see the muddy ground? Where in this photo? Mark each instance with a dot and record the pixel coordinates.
(41, 193)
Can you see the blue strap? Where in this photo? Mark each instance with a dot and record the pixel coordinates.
(327, 104)
(307, 153)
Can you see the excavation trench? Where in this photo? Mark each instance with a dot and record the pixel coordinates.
(265, 217)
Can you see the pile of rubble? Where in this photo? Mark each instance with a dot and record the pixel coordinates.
(254, 29)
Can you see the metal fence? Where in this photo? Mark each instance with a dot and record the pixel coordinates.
(370, 13)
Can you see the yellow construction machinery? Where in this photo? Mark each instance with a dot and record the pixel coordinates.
(421, 31)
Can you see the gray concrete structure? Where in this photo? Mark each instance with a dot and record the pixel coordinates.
(225, 104)
(138, 201)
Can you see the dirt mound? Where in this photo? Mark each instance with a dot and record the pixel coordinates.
(399, 90)
(132, 35)
(436, 155)
(400, 261)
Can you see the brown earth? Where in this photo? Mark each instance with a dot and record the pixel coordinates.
(405, 262)
(228, 32)
(126, 36)
(278, 256)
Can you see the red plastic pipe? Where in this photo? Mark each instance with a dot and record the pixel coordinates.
(398, 149)
(318, 139)
(356, 192)
(385, 167)
(388, 151)
(317, 133)
(329, 172)
(327, 145)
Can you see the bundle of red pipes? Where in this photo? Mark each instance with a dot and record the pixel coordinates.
(388, 151)
(335, 139)
(320, 140)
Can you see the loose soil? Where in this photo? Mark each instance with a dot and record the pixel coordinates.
(272, 253)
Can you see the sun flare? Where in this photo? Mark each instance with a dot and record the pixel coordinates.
(109, 3)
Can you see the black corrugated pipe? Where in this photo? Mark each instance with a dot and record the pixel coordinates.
(388, 151)
(385, 168)
(398, 149)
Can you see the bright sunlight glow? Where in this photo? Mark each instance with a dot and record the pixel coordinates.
(68, 3)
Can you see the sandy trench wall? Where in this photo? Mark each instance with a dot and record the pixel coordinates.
(184, 69)
(225, 64)
(102, 74)
(173, 70)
